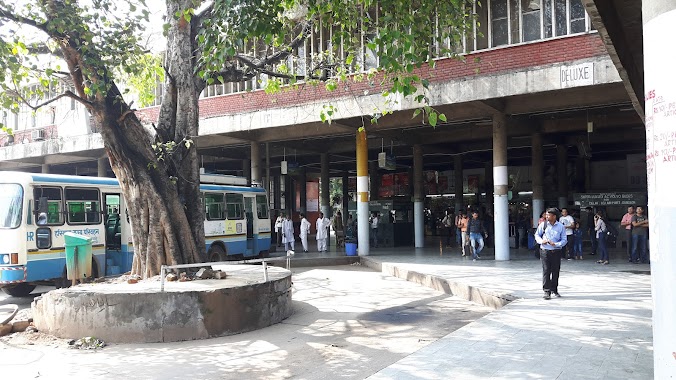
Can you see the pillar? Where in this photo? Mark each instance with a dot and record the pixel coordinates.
(255, 163)
(457, 173)
(246, 169)
(562, 174)
(346, 198)
(418, 197)
(362, 194)
(44, 168)
(537, 176)
(659, 21)
(324, 196)
(303, 190)
(267, 167)
(277, 184)
(500, 188)
(102, 166)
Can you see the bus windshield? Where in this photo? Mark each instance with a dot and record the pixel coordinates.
(11, 199)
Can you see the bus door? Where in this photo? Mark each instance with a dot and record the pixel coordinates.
(112, 207)
(250, 241)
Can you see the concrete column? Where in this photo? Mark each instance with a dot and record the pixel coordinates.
(255, 162)
(346, 198)
(246, 169)
(303, 190)
(659, 22)
(537, 176)
(500, 188)
(44, 168)
(277, 202)
(418, 197)
(102, 166)
(362, 194)
(562, 174)
(457, 173)
(324, 196)
(289, 195)
(267, 167)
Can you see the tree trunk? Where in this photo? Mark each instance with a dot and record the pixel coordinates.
(157, 215)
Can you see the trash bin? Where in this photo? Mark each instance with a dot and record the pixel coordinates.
(78, 256)
(351, 249)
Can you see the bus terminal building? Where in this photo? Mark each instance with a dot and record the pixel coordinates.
(537, 116)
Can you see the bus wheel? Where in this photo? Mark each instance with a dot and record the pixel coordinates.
(264, 254)
(19, 290)
(63, 281)
(216, 253)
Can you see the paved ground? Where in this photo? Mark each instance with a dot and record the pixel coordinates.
(350, 324)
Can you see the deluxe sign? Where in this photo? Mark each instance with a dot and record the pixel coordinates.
(610, 199)
(577, 75)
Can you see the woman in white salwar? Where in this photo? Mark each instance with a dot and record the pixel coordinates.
(304, 231)
(322, 232)
(287, 231)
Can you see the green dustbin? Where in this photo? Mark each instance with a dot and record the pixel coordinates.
(78, 256)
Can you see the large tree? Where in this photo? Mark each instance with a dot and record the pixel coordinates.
(207, 42)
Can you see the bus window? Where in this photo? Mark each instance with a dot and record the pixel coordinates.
(83, 206)
(262, 207)
(214, 204)
(54, 202)
(235, 206)
(11, 199)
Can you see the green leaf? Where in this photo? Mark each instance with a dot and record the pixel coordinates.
(442, 117)
(433, 118)
(416, 113)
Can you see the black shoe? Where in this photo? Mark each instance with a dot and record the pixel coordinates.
(557, 295)
(547, 296)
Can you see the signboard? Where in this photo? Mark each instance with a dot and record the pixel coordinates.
(577, 75)
(386, 161)
(610, 199)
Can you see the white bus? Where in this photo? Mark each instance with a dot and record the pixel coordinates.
(237, 223)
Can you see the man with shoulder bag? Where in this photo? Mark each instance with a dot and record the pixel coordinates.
(551, 235)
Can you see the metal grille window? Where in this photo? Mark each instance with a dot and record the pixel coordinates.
(262, 207)
(499, 23)
(530, 18)
(84, 206)
(215, 206)
(234, 204)
(52, 195)
(578, 23)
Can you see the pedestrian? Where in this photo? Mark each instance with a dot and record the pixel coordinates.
(322, 225)
(287, 231)
(627, 224)
(278, 228)
(458, 232)
(463, 223)
(639, 223)
(304, 231)
(551, 235)
(449, 226)
(591, 229)
(339, 229)
(374, 229)
(477, 232)
(577, 242)
(601, 236)
(569, 223)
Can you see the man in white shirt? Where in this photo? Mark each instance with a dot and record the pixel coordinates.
(569, 223)
(304, 231)
(278, 229)
(287, 230)
(322, 225)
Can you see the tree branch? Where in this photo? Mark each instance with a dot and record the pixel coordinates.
(22, 20)
(67, 93)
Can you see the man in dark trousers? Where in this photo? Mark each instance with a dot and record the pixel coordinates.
(551, 235)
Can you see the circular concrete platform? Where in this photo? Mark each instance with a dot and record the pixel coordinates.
(138, 313)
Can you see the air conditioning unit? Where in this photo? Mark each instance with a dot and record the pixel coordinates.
(38, 134)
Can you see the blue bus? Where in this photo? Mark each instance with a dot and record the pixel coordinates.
(237, 224)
